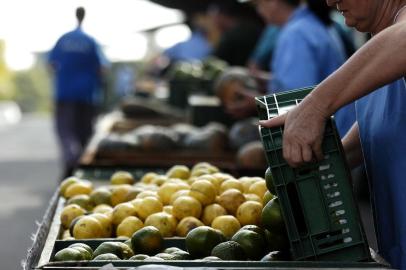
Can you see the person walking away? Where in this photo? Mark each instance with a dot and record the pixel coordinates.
(77, 64)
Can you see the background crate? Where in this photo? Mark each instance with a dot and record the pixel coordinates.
(97, 173)
(317, 203)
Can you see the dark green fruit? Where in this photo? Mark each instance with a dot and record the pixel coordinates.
(68, 254)
(229, 251)
(201, 240)
(106, 257)
(253, 243)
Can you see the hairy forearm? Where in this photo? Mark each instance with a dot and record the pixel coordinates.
(377, 63)
(352, 146)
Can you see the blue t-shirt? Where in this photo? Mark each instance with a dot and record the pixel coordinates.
(307, 52)
(197, 47)
(77, 60)
(381, 117)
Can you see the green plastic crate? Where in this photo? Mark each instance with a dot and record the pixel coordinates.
(317, 203)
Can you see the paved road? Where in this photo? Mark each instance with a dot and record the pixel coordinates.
(28, 176)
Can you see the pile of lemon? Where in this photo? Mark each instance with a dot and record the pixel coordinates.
(174, 203)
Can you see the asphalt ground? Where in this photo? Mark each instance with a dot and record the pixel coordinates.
(29, 170)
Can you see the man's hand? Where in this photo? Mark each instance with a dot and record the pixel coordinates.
(303, 132)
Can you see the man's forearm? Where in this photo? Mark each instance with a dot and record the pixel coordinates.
(377, 63)
(352, 147)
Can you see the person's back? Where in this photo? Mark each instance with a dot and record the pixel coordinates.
(77, 67)
(76, 62)
(305, 53)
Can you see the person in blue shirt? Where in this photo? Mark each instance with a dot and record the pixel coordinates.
(197, 47)
(375, 78)
(307, 51)
(77, 62)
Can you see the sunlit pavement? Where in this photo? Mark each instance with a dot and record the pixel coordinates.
(28, 176)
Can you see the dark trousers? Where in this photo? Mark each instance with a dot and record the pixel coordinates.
(74, 127)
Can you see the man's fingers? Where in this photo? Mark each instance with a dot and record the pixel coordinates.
(307, 153)
(318, 152)
(286, 151)
(274, 122)
(295, 158)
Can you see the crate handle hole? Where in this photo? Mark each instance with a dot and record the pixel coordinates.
(297, 210)
(305, 171)
(328, 234)
(331, 244)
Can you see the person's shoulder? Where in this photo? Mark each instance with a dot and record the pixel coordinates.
(306, 23)
(306, 28)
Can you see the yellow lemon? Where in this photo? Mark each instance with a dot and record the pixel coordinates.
(231, 199)
(203, 191)
(87, 227)
(186, 225)
(212, 211)
(177, 194)
(249, 213)
(186, 206)
(149, 206)
(121, 211)
(119, 194)
(122, 177)
(231, 183)
(259, 188)
(129, 226)
(252, 197)
(77, 189)
(66, 183)
(164, 222)
(147, 178)
(69, 213)
(178, 171)
(228, 225)
(167, 190)
(247, 182)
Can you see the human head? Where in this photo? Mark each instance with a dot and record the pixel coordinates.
(80, 14)
(226, 13)
(321, 10)
(276, 11)
(368, 15)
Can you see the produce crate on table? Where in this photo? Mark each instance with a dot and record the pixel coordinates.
(190, 264)
(316, 199)
(56, 232)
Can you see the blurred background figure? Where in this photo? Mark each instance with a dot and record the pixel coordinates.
(240, 28)
(308, 49)
(262, 54)
(197, 46)
(78, 64)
